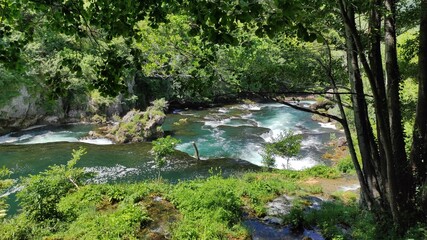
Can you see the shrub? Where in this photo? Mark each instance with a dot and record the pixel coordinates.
(322, 171)
(163, 148)
(211, 212)
(43, 191)
(345, 165)
(4, 184)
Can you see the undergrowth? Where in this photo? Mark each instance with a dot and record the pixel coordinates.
(211, 208)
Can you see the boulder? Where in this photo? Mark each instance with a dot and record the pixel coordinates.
(21, 112)
(138, 126)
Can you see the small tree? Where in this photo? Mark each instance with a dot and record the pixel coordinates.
(286, 145)
(162, 148)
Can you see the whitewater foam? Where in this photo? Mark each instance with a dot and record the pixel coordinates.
(296, 163)
(97, 141)
(328, 125)
(105, 174)
(12, 190)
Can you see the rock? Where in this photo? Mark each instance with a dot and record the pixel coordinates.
(22, 111)
(319, 118)
(273, 220)
(51, 120)
(313, 203)
(322, 104)
(280, 206)
(341, 142)
(138, 126)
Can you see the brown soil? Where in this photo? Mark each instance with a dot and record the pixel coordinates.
(330, 186)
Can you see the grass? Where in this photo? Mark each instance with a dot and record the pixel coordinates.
(209, 208)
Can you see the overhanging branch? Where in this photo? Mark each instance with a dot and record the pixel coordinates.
(338, 119)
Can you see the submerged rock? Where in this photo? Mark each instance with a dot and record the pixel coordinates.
(271, 226)
(281, 206)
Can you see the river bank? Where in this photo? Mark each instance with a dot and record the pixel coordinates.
(219, 207)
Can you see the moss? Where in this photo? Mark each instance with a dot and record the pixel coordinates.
(137, 126)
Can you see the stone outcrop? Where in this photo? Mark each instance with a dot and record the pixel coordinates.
(136, 126)
(322, 106)
(21, 112)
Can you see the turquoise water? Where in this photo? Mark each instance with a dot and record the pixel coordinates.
(229, 138)
(240, 131)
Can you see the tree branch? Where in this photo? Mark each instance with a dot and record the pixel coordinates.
(338, 119)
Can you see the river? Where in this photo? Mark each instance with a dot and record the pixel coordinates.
(229, 137)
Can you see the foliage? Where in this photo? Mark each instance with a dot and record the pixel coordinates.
(268, 160)
(121, 223)
(211, 211)
(5, 183)
(345, 165)
(138, 126)
(43, 191)
(162, 149)
(286, 145)
(334, 219)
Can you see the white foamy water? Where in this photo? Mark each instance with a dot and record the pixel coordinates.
(223, 110)
(311, 142)
(217, 123)
(97, 141)
(251, 107)
(296, 163)
(353, 187)
(49, 137)
(9, 139)
(12, 190)
(328, 125)
(280, 119)
(35, 135)
(105, 174)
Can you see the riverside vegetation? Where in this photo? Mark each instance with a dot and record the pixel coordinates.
(57, 204)
(72, 61)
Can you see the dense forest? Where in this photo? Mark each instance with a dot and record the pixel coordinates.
(79, 60)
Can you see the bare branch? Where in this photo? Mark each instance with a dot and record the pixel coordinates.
(338, 119)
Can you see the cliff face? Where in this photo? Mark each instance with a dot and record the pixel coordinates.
(32, 107)
(22, 111)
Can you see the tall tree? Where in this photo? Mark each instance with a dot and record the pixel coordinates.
(419, 146)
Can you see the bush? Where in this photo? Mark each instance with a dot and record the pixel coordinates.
(120, 223)
(108, 211)
(163, 148)
(212, 210)
(4, 184)
(43, 191)
(322, 171)
(340, 221)
(345, 165)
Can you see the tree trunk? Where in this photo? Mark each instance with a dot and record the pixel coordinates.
(419, 144)
(363, 128)
(377, 82)
(397, 168)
